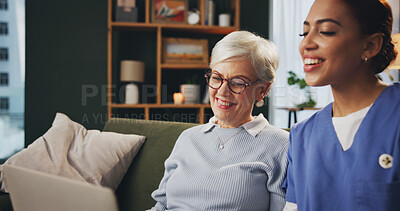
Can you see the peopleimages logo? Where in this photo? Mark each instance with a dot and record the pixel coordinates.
(91, 94)
(148, 94)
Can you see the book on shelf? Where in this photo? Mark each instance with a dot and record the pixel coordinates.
(206, 12)
(211, 12)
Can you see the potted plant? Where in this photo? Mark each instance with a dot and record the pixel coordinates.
(293, 80)
(190, 90)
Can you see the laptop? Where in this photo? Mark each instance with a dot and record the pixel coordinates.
(38, 191)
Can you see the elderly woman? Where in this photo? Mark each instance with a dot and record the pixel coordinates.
(235, 161)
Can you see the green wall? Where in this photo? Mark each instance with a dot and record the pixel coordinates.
(66, 60)
(254, 16)
(66, 48)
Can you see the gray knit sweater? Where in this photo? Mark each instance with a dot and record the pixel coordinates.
(247, 174)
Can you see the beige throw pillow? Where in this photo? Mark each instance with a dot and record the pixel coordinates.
(68, 149)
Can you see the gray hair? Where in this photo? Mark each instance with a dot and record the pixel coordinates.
(239, 45)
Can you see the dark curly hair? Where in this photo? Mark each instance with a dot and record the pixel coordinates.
(375, 16)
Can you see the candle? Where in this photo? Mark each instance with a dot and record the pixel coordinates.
(178, 98)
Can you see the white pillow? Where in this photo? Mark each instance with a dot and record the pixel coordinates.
(68, 149)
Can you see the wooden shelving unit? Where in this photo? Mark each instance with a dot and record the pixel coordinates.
(159, 29)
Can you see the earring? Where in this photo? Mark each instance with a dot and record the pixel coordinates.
(259, 103)
(366, 60)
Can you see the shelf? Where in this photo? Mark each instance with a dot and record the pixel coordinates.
(184, 66)
(175, 27)
(160, 106)
(126, 41)
(132, 26)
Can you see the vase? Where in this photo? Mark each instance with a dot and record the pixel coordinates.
(224, 19)
(191, 93)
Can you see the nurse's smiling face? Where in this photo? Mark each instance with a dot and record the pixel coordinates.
(229, 108)
(332, 46)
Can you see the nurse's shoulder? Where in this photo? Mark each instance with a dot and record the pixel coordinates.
(306, 128)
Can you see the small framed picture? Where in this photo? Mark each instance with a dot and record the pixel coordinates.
(182, 50)
(169, 11)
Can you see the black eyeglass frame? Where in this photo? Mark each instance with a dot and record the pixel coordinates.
(208, 75)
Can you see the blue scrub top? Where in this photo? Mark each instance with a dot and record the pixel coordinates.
(321, 176)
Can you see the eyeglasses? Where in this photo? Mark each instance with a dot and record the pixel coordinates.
(236, 85)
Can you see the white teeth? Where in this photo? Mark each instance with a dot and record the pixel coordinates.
(312, 61)
(224, 103)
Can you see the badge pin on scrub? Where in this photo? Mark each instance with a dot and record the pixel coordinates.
(386, 161)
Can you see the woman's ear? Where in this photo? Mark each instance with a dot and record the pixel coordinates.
(373, 45)
(263, 91)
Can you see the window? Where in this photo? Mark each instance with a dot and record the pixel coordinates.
(12, 133)
(3, 79)
(3, 54)
(3, 28)
(4, 103)
(3, 5)
(284, 33)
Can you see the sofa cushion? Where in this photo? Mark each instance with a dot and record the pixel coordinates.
(68, 149)
(147, 169)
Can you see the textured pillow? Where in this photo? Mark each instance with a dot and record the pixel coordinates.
(68, 149)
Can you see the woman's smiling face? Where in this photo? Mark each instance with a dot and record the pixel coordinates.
(229, 108)
(332, 46)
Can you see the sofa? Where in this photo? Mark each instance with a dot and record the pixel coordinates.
(147, 167)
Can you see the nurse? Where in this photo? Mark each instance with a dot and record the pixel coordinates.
(347, 156)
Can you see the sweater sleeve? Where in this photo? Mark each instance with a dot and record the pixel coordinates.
(159, 195)
(289, 182)
(275, 181)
